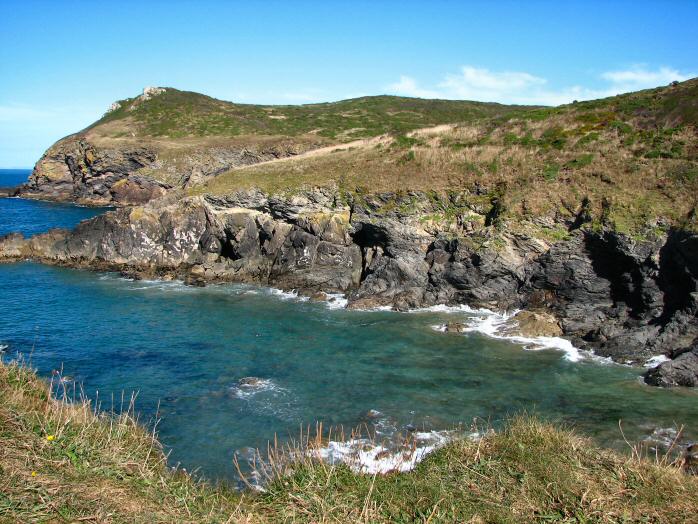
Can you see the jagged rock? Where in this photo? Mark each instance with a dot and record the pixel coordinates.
(250, 382)
(680, 371)
(88, 170)
(8, 192)
(150, 91)
(690, 459)
(13, 246)
(455, 327)
(74, 170)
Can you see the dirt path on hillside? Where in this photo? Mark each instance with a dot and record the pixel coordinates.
(364, 143)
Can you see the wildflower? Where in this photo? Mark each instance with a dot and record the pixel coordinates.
(50, 438)
(33, 473)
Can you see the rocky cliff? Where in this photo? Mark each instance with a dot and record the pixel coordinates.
(73, 170)
(121, 172)
(626, 299)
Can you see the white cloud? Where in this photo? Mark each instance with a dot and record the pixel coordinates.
(641, 78)
(407, 86)
(473, 78)
(518, 87)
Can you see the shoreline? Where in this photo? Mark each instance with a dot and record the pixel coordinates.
(497, 325)
(624, 299)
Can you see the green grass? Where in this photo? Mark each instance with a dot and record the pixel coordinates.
(181, 113)
(66, 462)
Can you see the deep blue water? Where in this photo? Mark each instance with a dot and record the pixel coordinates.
(186, 348)
(30, 217)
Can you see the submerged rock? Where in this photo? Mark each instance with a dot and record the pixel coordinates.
(455, 327)
(251, 382)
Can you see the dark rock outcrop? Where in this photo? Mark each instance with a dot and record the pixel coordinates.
(74, 170)
(127, 172)
(8, 192)
(626, 299)
(682, 370)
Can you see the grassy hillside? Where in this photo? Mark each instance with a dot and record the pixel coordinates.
(178, 114)
(632, 158)
(63, 462)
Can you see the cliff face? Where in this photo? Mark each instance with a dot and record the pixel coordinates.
(73, 170)
(127, 172)
(626, 299)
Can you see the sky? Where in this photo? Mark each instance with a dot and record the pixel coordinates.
(62, 63)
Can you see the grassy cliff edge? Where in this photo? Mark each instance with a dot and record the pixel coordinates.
(63, 462)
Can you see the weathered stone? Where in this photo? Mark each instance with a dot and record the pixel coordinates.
(535, 324)
(455, 327)
(681, 371)
(74, 170)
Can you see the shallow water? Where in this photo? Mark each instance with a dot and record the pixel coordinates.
(186, 348)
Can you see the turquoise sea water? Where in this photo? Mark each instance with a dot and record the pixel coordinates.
(19, 215)
(186, 348)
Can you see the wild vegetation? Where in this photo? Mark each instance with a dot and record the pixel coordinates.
(178, 114)
(632, 158)
(69, 462)
(628, 162)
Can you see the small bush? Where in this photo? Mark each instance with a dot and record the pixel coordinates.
(407, 157)
(588, 138)
(553, 137)
(685, 173)
(551, 171)
(581, 161)
(621, 127)
(404, 141)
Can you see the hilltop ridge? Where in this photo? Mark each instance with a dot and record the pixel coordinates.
(169, 112)
(641, 145)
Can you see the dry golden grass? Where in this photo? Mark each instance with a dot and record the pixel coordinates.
(66, 462)
(547, 167)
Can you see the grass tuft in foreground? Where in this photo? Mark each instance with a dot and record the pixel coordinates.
(62, 462)
(66, 462)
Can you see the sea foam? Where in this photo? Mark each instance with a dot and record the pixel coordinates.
(496, 325)
(363, 455)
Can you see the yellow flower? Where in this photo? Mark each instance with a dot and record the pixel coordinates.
(50, 438)
(33, 473)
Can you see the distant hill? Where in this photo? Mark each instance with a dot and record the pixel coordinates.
(177, 114)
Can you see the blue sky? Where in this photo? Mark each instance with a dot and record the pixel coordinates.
(63, 62)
